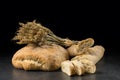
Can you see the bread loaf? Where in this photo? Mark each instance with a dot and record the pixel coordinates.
(93, 54)
(84, 63)
(46, 57)
(80, 47)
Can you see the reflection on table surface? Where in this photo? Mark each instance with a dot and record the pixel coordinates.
(107, 69)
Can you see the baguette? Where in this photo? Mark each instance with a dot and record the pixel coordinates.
(84, 63)
(93, 54)
(89, 66)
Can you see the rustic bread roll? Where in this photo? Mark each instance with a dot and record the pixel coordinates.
(80, 47)
(46, 58)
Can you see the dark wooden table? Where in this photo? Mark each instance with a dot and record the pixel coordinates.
(107, 69)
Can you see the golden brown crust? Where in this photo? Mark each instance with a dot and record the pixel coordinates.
(79, 67)
(93, 54)
(80, 47)
(85, 63)
(45, 58)
(89, 66)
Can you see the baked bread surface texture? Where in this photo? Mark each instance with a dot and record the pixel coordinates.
(46, 57)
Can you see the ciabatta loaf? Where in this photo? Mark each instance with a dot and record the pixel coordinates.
(46, 57)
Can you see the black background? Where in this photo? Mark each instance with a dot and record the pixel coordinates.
(76, 23)
(70, 19)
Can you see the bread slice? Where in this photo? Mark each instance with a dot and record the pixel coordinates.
(68, 68)
(79, 67)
